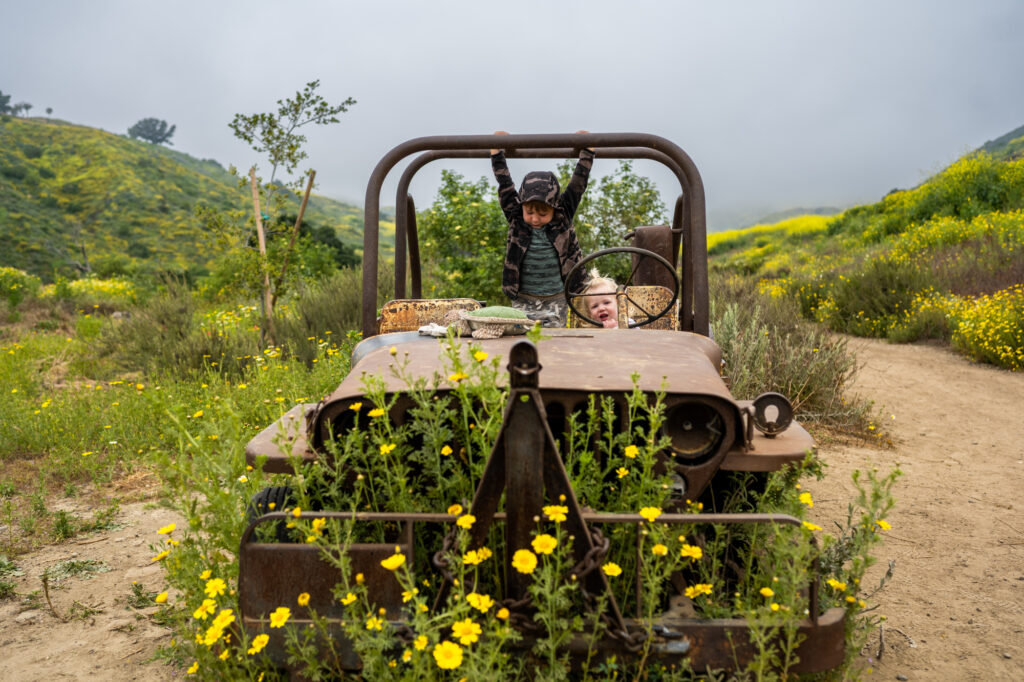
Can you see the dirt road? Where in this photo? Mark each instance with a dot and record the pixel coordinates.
(955, 605)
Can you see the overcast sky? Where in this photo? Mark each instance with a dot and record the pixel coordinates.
(780, 104)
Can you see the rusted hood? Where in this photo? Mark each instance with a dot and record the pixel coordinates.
(596, 361)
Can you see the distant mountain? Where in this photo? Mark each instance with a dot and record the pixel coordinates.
(74, 198)
(1008, 146)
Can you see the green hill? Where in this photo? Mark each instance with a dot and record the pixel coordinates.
(944, 260)
(75, 199)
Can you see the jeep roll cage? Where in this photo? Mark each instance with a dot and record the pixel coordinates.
(688, 221)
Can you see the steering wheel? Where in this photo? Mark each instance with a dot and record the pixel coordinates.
(641, 253)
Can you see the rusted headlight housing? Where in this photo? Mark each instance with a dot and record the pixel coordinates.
(695, 428)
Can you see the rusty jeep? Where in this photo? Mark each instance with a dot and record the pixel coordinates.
(664, 338)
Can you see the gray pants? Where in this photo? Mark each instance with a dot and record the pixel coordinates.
(550, 311)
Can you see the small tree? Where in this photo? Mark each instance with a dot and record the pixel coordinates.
(274, 134)
(152, 130)
(5, 107)
(49, 111)
(21, 107)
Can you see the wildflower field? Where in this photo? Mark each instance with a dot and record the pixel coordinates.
(942, 261)
(80, 416)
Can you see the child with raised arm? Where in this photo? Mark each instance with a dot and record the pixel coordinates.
(542, 246)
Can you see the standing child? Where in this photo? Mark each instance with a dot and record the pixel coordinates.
(542, 247)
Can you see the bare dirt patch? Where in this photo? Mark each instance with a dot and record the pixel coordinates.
(955, 604)
(954, 608)
(95, 629)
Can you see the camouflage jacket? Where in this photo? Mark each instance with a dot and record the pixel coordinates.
(559, 231)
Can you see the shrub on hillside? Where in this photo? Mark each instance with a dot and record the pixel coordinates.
(17, 285)
(327, 310)
(166, 335)
(991, 328)
(93, 292)
(767, 347)
(867, 302)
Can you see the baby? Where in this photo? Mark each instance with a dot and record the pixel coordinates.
(600, 302)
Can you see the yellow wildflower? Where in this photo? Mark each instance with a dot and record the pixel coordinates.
(544, 544)
(556, 512)
(805, 498)
(767, 592)
(303, 599)
(348, 599)
(466, 630)
(659, 550)
(374, 623)
(162, 555)
(387, 448)
(205, 609)
(693, 552)
(622, 472)
(455, 509)
(480, 356)
(650, 513)
(393, 562)
(611, 569)
(811, 526)
(466, 521)
(631, 451)
(420, 643)
(836, 585)
(524, 561)
(480, 602)
(168, 529)
(697, 590)
(258, 642)
(215, 587)
(457, 377)
(376, 412)
(446, 451)
(192, 669)
(448, 655)
(883, 524)
(355, 407)
(280, 616)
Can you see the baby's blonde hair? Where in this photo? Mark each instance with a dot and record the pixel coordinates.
(597, 280)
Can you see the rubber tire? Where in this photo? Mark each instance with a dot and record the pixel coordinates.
(281, 497)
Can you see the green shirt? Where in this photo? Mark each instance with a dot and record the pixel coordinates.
(542, 275)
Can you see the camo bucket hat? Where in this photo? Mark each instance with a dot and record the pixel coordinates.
(540, 186)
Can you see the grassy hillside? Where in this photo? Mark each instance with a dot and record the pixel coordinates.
(944, 260)
(74, 198)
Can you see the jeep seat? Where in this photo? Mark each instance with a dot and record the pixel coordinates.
(409, 314)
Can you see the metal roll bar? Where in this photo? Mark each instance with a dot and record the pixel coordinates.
(691, 222)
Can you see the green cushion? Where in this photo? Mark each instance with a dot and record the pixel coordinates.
(502, 311)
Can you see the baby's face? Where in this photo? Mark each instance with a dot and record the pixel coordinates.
(536, 214)
(601, 306)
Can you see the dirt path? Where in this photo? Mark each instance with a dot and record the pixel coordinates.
(955, 605)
